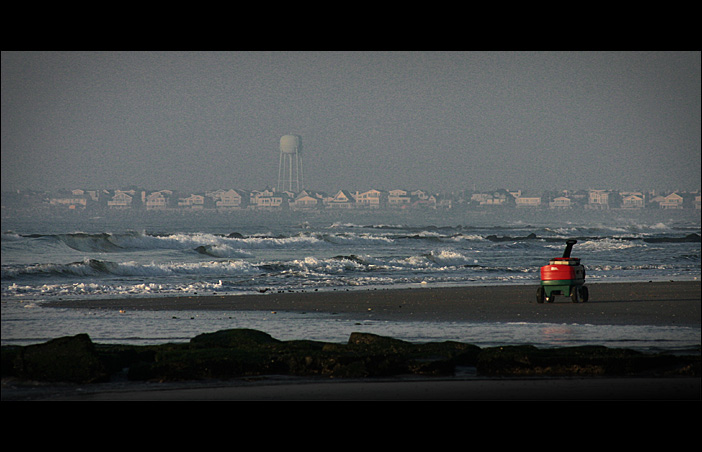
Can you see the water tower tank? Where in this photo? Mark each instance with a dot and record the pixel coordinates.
(290, 144)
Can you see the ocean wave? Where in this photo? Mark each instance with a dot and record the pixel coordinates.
(608, 244)
(139, 241)
(97, 289)
(102, 268)
(237, 245)
(10, 236)
(439, 261)
(319, 256)
(355, 239)
(221, 251)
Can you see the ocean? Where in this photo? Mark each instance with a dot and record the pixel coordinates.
(154, 254)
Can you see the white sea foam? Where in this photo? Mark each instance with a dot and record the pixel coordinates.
(481, 249)
(219, 255)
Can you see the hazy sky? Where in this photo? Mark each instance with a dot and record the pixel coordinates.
(195, 121)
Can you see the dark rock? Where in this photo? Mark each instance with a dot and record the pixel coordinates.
(118, 357)
(200, 364)
(66, 359)
(237, 338)
(586, 361)
(8, 355)
(374, 341)
(244, 352)
(457, 352)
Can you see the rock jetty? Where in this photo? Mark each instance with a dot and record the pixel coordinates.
(239, 353)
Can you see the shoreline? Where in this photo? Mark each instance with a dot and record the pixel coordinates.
(653, 303)
(641, 303)
(680, 389)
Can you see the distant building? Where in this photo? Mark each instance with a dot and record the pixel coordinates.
(497, 198)
(193, 202)
(305, 201)
(672, 201)
(230, 199)
(598, 199)
(528, 201)
(399, 198)
(121, 199)
(308, 200)
(632, 200)
(373, 199)
(158, 200)
(420, 196)
(268, 199)
(341, 200)
(74, 199)
(560, 202)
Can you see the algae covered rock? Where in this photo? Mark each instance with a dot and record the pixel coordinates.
(237, 353)
(527, 360)
(203, 364)
(71, 359)
(233, 338)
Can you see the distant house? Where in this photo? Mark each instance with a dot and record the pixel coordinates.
(578, 198)
(270, 202)
(672, 201)
(425, 200)
(560, 202)
(632, 200)
(479, 198)
(420, 195)
(656, 200)
(373, 199)
(398, 198)
(230, 199)
(265, 192)
(194, 202)
(75, 199)
(70, 202)
(121, 200)
(528, 201)
(598, 199)
(341, 200)
(498, 198)
(305, 201)
(158, 200)
(268, 199)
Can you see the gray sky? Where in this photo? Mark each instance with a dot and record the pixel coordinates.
(435, 120)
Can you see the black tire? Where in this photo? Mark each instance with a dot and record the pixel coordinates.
(540, 295)
(584, 294)
(574, 294)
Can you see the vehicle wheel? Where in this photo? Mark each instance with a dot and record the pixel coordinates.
(540, 295)
(584, 295)
(574, 294)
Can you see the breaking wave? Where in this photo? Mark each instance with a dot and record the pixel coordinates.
(340, 254)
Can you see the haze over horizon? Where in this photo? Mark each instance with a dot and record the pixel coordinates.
(441, 121)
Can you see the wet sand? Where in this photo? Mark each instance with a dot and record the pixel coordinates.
(654, 303)
(458, 389)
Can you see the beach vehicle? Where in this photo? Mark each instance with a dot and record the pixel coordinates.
(563, 276)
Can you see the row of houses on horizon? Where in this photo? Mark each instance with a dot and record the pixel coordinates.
(309, 200)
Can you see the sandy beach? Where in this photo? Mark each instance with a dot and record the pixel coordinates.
(653, 303)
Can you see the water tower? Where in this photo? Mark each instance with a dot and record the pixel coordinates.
(290, 175)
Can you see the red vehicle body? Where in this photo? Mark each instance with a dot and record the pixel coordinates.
(563, 276)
